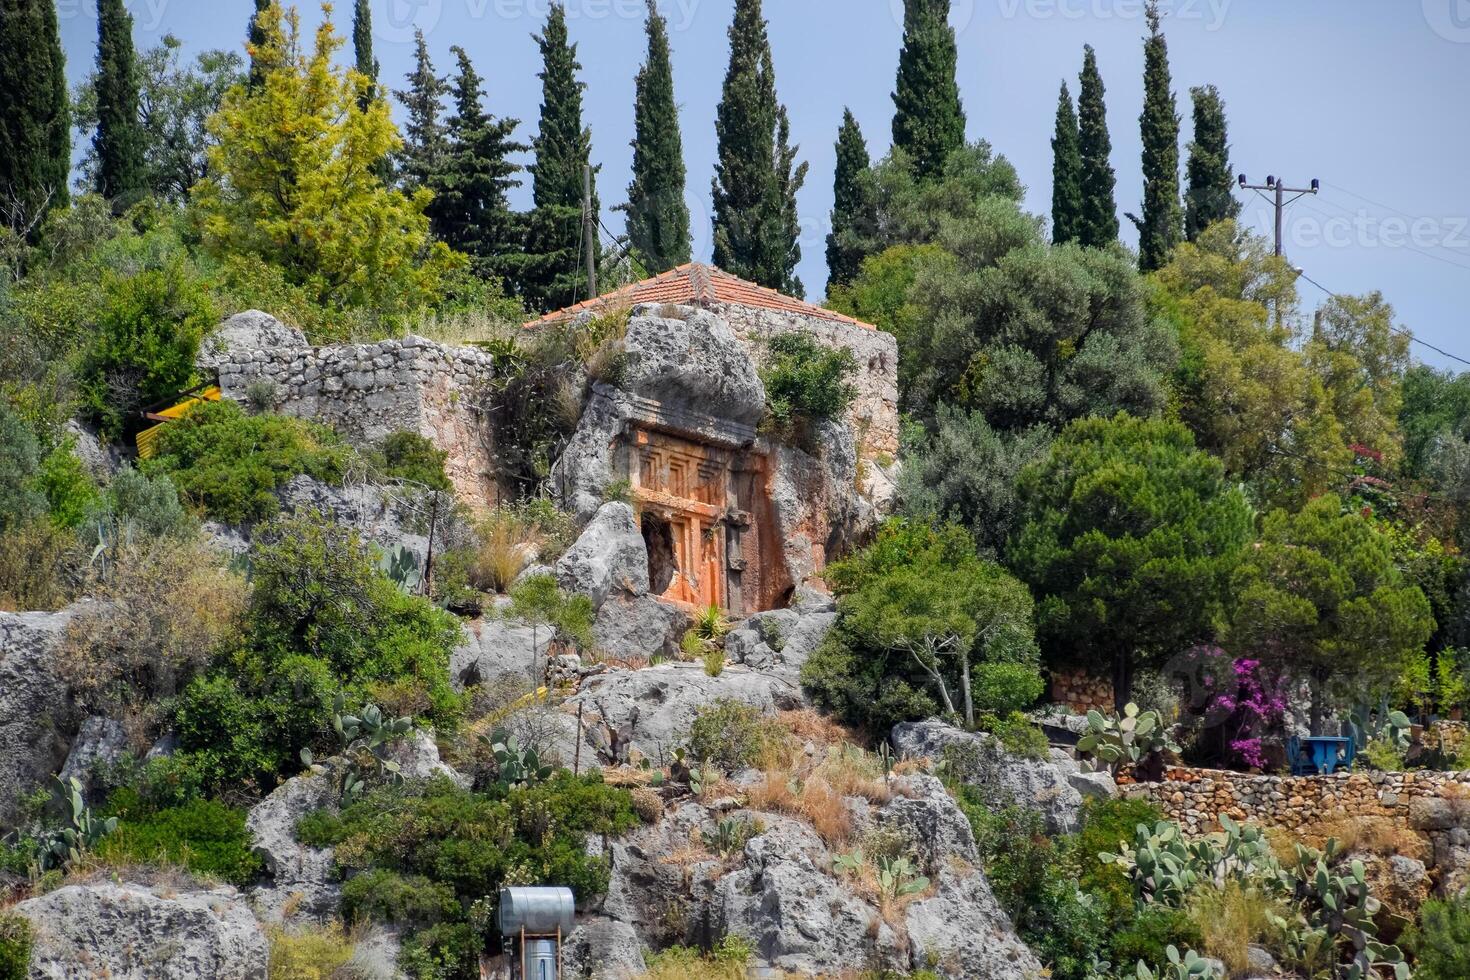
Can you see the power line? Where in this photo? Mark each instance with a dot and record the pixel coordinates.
(1398, 330)
(1406, 246)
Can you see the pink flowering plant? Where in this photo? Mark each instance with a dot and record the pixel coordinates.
(1241, 700)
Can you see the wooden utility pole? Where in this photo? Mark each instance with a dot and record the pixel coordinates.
(1281, 190)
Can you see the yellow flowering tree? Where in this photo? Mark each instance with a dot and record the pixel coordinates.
(295, 179)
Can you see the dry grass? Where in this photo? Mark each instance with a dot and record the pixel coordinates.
(1381, 836)
(507, 543)
(311, 953)
(814, 790)
(465, 327)
(1231, 919)
(810, 725)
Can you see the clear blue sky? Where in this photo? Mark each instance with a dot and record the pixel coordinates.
(1367, 95)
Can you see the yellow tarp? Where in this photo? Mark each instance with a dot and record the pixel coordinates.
(148, 438)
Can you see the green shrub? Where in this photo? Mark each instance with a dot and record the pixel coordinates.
(1440, 941)
(452, 842)
(39, 566)
(409, 456)
(310, 953)
(1150, 933)
(15, 947)
(147, 502)
(231, 463)
(805, 381)
(732, 735)
(387, 896)
(1105, 825)
(143, 349)
(204, 836)
(1018, 734)
(20, 460)
(67, 486)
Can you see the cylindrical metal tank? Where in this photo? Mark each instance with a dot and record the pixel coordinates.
(540, 959)
(538, 911)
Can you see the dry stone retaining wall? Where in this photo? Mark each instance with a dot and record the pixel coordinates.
(368, 391)
(1080, 691)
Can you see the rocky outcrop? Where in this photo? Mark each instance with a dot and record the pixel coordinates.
(602, 949)
(780, 640)
(651, 710)
(246, 333)
(300, 880)
(127, 931)
(639, 626)
(100, 743)
(781, 892)
(496, 646)
(33, 742)
(1053, 787)
(609, 559)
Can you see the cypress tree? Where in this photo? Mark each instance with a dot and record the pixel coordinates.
(1211, 184)
(1066, 173)
(929, 120)
(658, 218)
(854, 212)
(1162, 225)
(754, 186)
(552, 275)
(35, 118)
(121, 176)
(1099, 224)
(255, 37)
(790, 175)
(424, 145)
(362, 49)
(472, 189)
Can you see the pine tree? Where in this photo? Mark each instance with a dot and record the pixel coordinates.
(362, 49)
(35, 119)
(854, 211)
(1211, 184)
(755, 186)
(658, 218)
(424, 146)
(1099, 224)
(255, 37)
(1066, 173)
(929, 120)
(552, 274)
(477, 175)
(1161, 227)
(121, 176)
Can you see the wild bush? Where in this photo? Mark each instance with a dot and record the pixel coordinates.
(41, 566)
(409, 456)
(230, 463)
(147, 502)
(15, 946)
(1440, 940)
(69, 489)
(20, 461)
(805, 382)
(204, 836)
(732, 735)
(309, 952)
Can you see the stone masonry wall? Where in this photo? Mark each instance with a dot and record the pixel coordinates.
(1080, 691)
(874, 411)
(1435, 805)
(368, 391)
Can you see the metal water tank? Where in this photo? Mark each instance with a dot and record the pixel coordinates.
(540, 959)
(533, 921)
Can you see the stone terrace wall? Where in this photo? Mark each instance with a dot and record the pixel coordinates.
(1436, 805)
(874, 412)
(1080, 691)
(367, 391)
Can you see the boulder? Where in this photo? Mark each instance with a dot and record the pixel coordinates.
(639, 626)
(963, 932)
(937, 830)
(651, 710)
(417, 756)
(798, 916)
(602, 949)
(496, 646)
(780, 640)
(609, 558)
(248, 331)
(33, 739)
(1043, 785)
(692, 363)
(300, 879)
(127, 931)
(99, 743)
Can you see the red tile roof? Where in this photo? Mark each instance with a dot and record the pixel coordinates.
(697, 284)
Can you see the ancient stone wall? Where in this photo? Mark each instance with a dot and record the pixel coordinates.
(873, 415)
(368, 391)
(1435, 805)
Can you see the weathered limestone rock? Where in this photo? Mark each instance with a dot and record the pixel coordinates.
(1044, 785)
(130, 931)
(32, 745)
(780, 640)
(695, 363)
(610, 558)
(100, 742)
(246, 333)
(602, 949)
(651, 710)
(496, 646)
(639, 626)
(300, 878)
